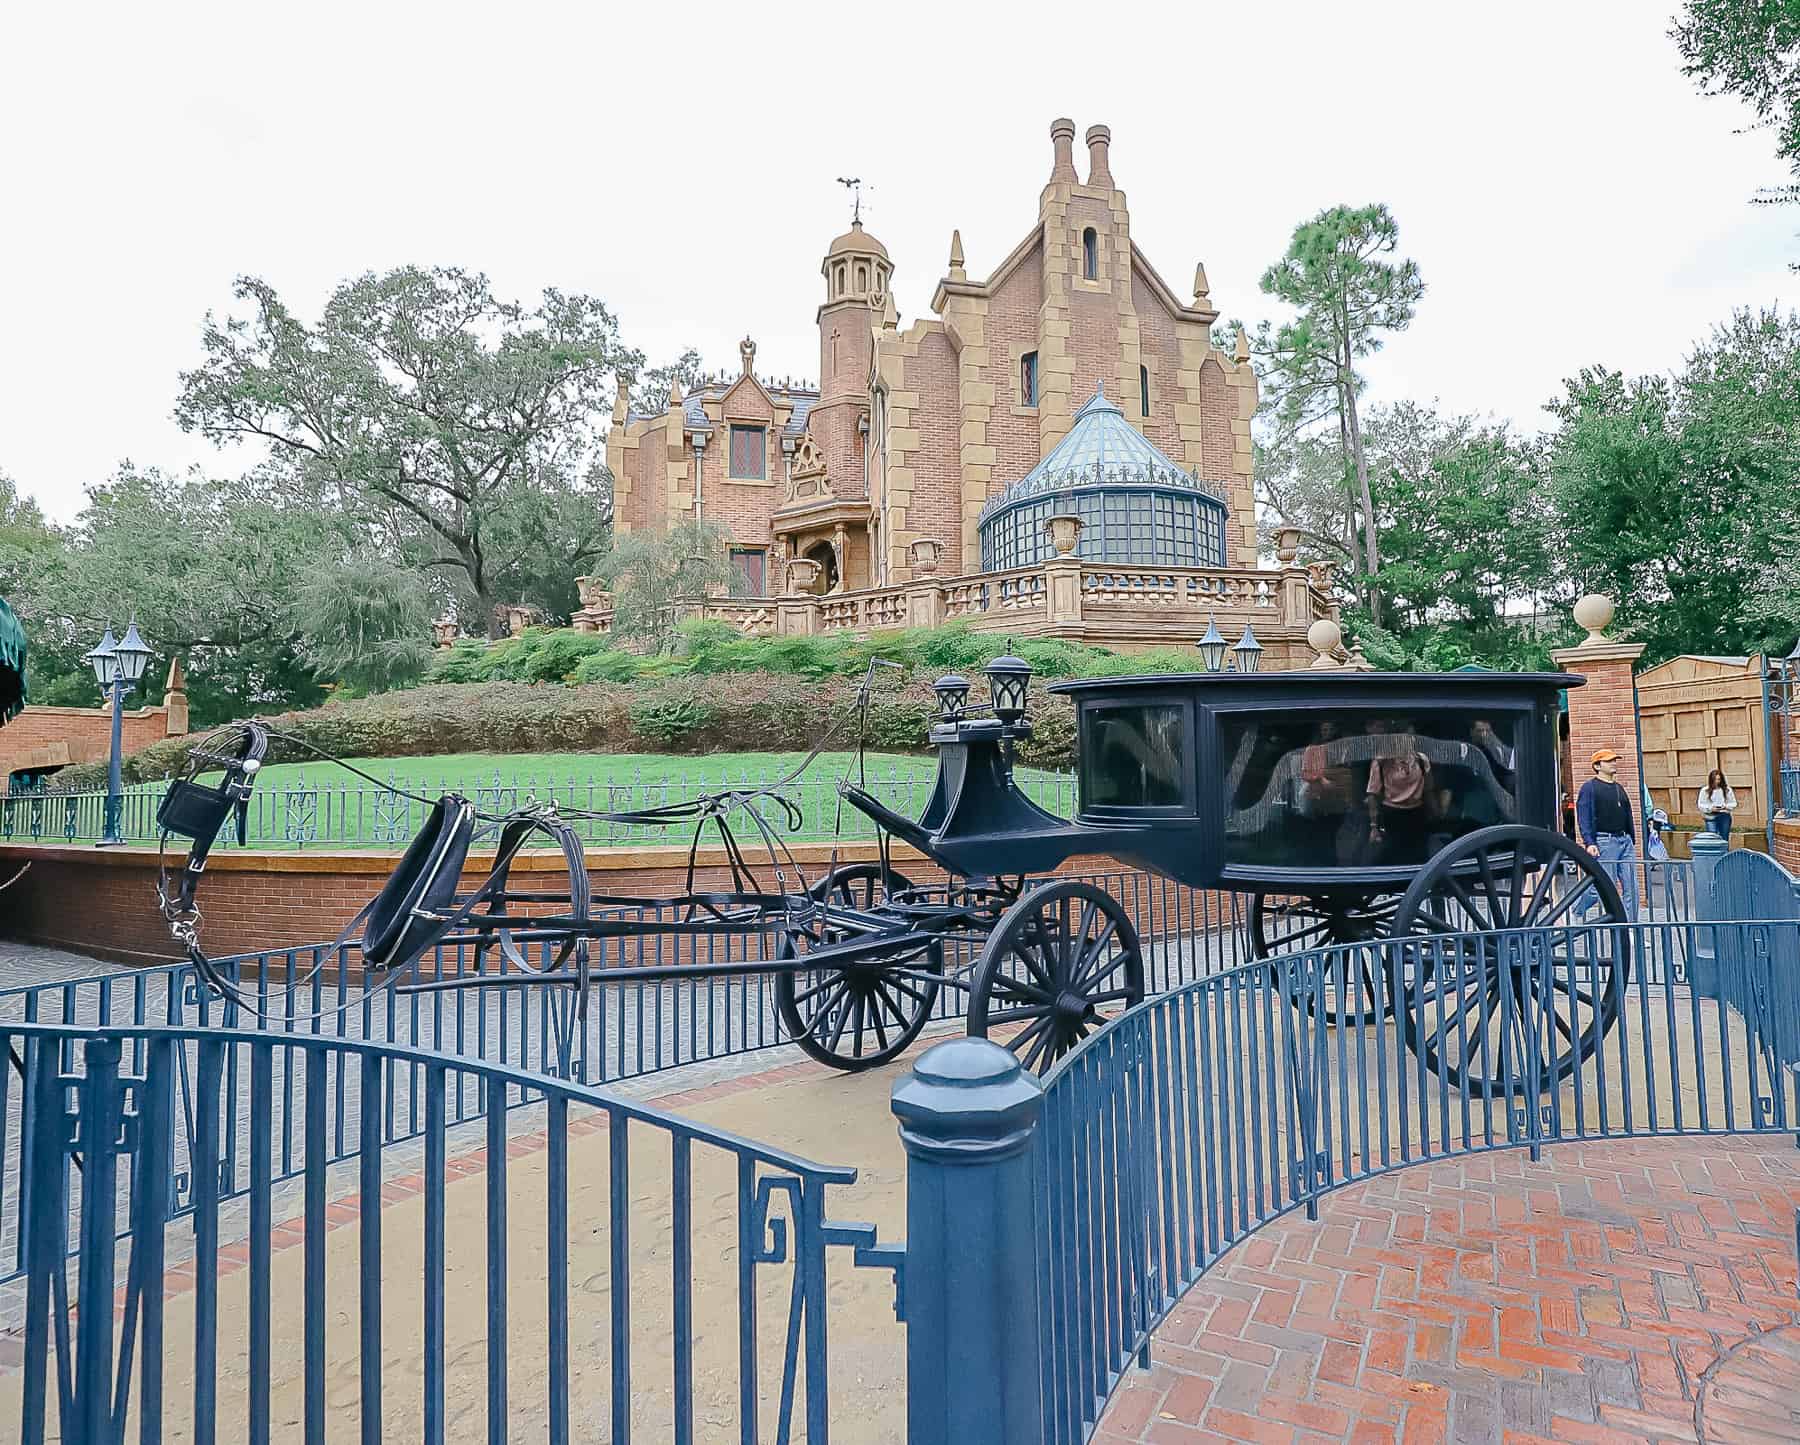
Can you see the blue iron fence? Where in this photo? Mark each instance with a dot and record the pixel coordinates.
(1790, 789)
(329, 813)
(1050, 1228)
(736, 1240)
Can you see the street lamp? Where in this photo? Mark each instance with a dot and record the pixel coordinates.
(117, 667)
(1212, 647)
(1008, 680)
(1248, 651)
(952, 697)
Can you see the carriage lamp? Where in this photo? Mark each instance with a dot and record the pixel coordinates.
(1008, 679)
(117, 667)
(952, 697)
(1212, 647)
(1248, 652)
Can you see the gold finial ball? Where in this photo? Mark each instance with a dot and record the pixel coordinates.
(1593, 612)
(1323, 638)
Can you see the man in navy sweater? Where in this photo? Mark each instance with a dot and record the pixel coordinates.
(1603, 820)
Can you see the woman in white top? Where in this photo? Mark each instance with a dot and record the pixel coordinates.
(1718, 803)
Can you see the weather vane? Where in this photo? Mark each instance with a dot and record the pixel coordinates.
(853, 184)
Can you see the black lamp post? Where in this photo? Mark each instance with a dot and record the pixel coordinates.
(117, 667)
(1248, 651)
(1212, 647)
(1009, 678)
(952, 697)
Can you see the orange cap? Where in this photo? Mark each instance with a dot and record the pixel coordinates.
(1605, 755)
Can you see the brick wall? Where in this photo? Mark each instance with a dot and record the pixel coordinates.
(102, 902)
(47, 737)
(1787, 844)
(1602, 714)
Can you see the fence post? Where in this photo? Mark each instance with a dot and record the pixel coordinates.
(1707, 849)
(967, 1113)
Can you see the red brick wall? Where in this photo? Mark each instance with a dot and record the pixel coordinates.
(86, 733)
(1218, 405)
(103, 902)
(1603, 714)
(936, 504)
(1787, 844)
(1161, 353)
(1011, 328)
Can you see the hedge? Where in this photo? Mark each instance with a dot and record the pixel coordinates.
(746, 712)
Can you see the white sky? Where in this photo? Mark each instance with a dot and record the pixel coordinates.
(1568, 196)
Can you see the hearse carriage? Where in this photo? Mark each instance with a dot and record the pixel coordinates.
(1351, 808)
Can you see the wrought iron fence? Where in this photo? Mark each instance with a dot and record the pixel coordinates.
(1202, 1115)
(1790, 789)
(306, 812)
(726, 1271)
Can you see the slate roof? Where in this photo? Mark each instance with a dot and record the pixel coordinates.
(693, 405)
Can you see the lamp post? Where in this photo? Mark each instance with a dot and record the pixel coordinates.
(117, 667)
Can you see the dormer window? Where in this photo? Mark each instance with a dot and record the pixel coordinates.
(1028, 379)
(1090, 254)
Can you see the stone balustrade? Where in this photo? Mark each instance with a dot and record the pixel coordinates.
(1129, 608)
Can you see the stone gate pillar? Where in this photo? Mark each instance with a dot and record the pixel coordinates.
(1603, 714)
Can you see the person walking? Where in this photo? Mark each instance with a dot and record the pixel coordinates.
(1603, 819)
(1717, 803)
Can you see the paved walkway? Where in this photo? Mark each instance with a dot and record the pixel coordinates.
(1614, 1292)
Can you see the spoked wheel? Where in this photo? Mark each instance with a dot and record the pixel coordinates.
(1056, 958)
(857, 1013)
(1504, 1012)
(1299, 925)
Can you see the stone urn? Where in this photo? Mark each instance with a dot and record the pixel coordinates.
(1287, 546)
(924, 554)
(1064, 531)
(1594, 612)
(443, 632)
(802, 576)
(1321, 574)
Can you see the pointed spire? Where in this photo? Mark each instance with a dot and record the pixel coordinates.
(621, 399)
(1202, 294)
(956, 257)
(675, 394)
(1242, 353)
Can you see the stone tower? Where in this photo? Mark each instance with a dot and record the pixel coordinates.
(857, 271)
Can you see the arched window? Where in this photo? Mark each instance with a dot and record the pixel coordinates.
(1090, 254)
(838, 288)
(862, 277)
(1144, 388)
(1028, 381)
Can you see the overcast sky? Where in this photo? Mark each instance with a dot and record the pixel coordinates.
(1569, 198)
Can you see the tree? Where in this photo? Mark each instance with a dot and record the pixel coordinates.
(433, 410)
(365, 622)
(1750, 49)
(652, 575)
(1347, 294)
(1681, 495)
(650, 393)
(1465, 529)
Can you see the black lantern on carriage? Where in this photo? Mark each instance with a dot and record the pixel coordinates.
(1008, 680)
(952, 694)
(1248, 652)
(1212, 647)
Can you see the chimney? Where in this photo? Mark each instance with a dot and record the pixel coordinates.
(1062, 135)
(1098, 139)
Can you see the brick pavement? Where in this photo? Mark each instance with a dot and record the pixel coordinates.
(1585, 1299)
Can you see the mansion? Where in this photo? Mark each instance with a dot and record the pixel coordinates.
(1072, 381)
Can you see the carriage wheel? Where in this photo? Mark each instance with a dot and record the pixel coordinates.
(1478, 1007)
(1300, 925)
(1056, 958)
(857, 1014)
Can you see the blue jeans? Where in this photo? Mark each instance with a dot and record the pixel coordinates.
(1720, 823)
(1618, 855)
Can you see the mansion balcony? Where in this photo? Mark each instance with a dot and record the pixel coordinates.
(1125, 608)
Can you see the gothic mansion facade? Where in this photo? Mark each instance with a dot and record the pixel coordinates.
(1071, 381)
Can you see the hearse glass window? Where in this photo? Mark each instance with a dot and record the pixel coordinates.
(1353, 789)
(1133, 756)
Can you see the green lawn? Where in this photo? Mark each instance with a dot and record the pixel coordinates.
(318, 804)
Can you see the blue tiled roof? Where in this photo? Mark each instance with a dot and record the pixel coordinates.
(1101, 447)
(693, 406)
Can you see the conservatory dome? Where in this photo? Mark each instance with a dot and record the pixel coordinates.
(1138, 508)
